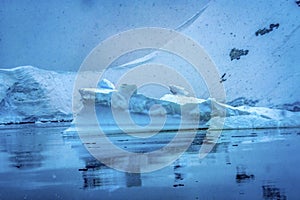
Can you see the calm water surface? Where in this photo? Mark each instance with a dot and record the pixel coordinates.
(38, 162)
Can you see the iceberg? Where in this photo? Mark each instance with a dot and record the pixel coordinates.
(211, 114)
(32, 95)
(106, 84)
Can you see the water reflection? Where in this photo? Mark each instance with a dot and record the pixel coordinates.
(178, 174)
(133, 179)
(97, 175)
(240, 165)
(271, 192)
(242, 176)
(24, 148)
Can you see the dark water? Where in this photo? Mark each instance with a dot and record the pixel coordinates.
(43, 163)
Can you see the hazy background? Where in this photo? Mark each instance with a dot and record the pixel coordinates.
(59, 34)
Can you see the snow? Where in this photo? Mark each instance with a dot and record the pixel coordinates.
(271, 65)
(181, 99)
(29, 94)
(104, 83)
(174, 89)
(268, 75)
(209, 111)
(258, 117)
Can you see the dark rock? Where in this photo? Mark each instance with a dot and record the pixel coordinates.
(237, 53)
(223, 75)
(242, 101)
(176, 166)
(267, 30)
(294, 107)
(223, 78)
(274, 26)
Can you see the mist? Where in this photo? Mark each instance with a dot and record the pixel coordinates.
(58, 35)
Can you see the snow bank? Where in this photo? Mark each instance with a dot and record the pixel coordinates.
(29, 94)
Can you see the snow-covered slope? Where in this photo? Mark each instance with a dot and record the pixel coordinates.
(269, 73)
(29, 94)
(257, 45)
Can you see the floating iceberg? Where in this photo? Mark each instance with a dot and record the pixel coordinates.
(210, 113)
(29, 95)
